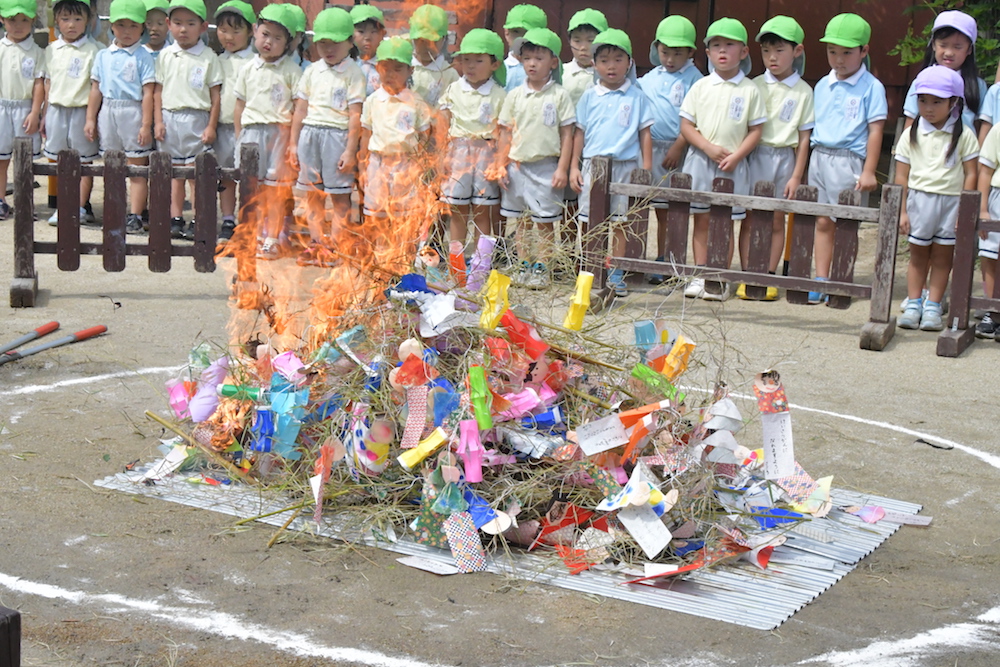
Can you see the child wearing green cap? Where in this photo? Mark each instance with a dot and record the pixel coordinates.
(326, 131)
(614, 119)
(369, 31)
(395, 125)
(186, 99)
(469, 110)
(846, 141)
(120, 108)
(432, 72)
(722, 119)
(578, 73)
(520, 19)
(23, 91)
(157, 31)
(666, 85)
(781, 156)
(536, 146)
(233, 27)
(68, 62)
(263, 114)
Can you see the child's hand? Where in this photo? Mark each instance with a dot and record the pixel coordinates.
(717, 153)
(791, 186)
(983, 215)
(160, 131)
(348, 161)
(673, 158)
(904, 222)
(145, 136)
(576, 180)
(866, 182)
(208, 136)
(41, 126)
(559, 179)
(293, 155)
(728, 163)
(90, 130)
(31, 124)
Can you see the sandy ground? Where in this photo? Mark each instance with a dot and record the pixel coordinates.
(140, 582)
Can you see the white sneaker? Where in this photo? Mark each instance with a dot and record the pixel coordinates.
(54, 219)
(538, 278)
(906, 300)
(695, 289)
(725, 294)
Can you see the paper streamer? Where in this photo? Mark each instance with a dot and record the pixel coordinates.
(464, 542)
(416, 417)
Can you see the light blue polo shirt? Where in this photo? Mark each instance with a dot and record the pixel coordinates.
(968, 116)
(515, 72)
(611, 120)
(122, 72)
(666, 91)
(845, 108)
(989, 110)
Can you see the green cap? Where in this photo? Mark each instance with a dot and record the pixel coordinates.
(298, 16)
(395, 48)
(157, 5)
(848, 30)
(784, 27)
(613, 37)
(674, 32)
(11, 8)
(333, 23)
(362, 13)
(728, 28)
(242, 9)
(525, 17)
(132, 10)
(428, 22)
(588, 17)
(278, 13)
(539, 37)
(481, 40)
(197, 7)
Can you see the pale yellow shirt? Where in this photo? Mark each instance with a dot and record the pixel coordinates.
(395, 121)
(266, 89)
(576, 80)
(429, 81)
(231, 63)
(930, 170)
(187, 76)
(724, 110)
(534, 118)
(473, 111)
(21, 64)
(789, 105)
(67, 67)
(989, 154)
(330, 91)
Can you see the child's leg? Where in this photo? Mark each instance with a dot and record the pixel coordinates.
(546, 242)
(941, 257)
(227, 199)
(4, 164)
(777, 241)
(699, 239)
(341, 210)
(177, 197)
(139, 188)
(916, 272)
(989, 269)
(485, 218)
(86, 186)
(310, 203)
(458, 227)
(824, 248)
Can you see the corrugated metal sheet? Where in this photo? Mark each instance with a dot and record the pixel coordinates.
(734, 592)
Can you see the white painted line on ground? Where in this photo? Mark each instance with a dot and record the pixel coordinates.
(38, 388)
(217, 623)
(983, 635)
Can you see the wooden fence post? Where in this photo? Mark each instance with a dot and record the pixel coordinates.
(595, 246)
(637, 226)
(678, 221)
(24, 288)
(720, 234)
(206, 213)
(845, 248)
(881, 325)
(956, 338)
(160, 179)
(246, 260)
(759, 225)
(115, 210)
(68, 234)
(803, 235)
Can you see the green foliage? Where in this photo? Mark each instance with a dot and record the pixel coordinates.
(912, 46)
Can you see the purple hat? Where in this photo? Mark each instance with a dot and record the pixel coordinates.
(960, 21)
(939, 81)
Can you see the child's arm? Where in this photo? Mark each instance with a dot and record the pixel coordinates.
(730, 162)
(442, 126)
(561, 178)
(366, 136)
(675, 153)
(646, 147)
(208, 136)
(299, 111)
(902, 178)
(499, 169)
(867, 181)
(695, 138)
(984, 129)
(801, 158)
(93, 107)
(575, 175)
(159, 131)
(969, 169)
(146, 131)
(238, 116)
(34, 119)
(349, 159)
(985, 176)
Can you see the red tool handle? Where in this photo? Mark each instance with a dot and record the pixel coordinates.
(46, 329)
(89, 333)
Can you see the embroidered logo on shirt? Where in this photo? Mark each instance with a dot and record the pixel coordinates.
(787, 110)
(75, 68)
(128, 71)
(625, 114)
(485, 113)
(852, 108)
(549, 114)
(197, 77)
(277, 95)
(736, 106)
(339, 99)
(677, 93)
(404, 121)
(28, 68)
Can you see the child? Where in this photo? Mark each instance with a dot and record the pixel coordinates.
(520, 19)
(234, 25)
(186, 99)
(989, 188)
(300, 40)
(22, 92)
(68, 62)
(263, 114)
(395, 125)
(722, 118)
(578, 73)
(936, 160)
(432, 73)
(369, 31)
(666, 85)
(469, 109)
(851, 108)
(613, 118)
(326, 130)
(123, 78)
(783, 151)
(157, 31)
(536, 145)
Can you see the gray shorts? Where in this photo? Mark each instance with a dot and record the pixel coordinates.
(390, 184)
(64, 130)
(529, 190)
(661, 175)
(833, 170)
(320, 149)
(465, 181)
(272, 141)
(703, 171)
(932, 218)
(182, 140)
(990, 246)
(621, 170)
(225, 145)
(12, 116)
(118, 125)
(774, 164)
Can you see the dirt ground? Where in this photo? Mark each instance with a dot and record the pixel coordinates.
(154, 583)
